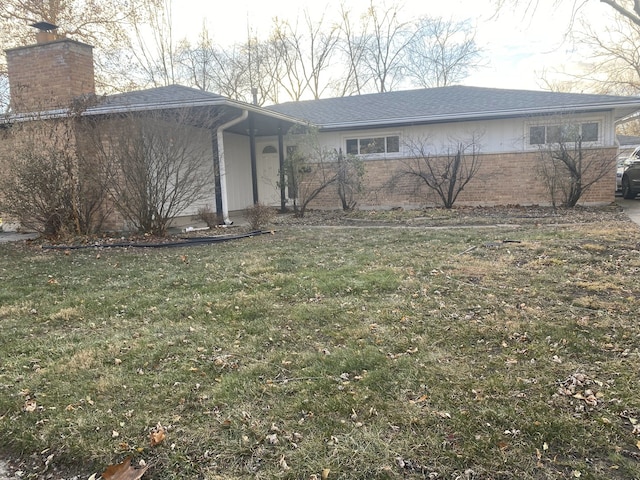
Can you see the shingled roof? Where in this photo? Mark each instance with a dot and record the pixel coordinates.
(177, 97)
(160, 97)
(446, 104)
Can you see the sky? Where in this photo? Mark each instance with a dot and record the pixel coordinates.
(518, 47)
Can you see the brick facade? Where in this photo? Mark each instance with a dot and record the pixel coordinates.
(503, 179)
(49, 75)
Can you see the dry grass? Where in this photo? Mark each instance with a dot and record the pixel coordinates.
(371, 352)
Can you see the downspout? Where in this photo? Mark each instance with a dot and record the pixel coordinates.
(221, 161)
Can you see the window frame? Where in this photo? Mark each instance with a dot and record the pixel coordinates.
(347, 144)
(554, 137)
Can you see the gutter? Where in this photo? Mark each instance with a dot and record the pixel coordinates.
(106, 109)
(221, 161)
(468, 116)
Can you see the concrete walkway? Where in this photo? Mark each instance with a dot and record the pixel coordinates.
(16, 237)
(631, 208)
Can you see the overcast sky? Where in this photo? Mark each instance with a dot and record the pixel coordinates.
(518, 48)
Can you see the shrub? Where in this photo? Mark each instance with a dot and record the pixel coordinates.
(208, 216)
(259, 215)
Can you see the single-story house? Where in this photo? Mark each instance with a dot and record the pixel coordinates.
(247, 144)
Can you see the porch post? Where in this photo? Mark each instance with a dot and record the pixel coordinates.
(254, 168)
(216, 173)
(283, 194)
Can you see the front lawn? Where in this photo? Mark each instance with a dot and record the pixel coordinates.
(338, 353)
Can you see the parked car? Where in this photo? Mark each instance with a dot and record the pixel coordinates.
(630, 181)
(619, 172)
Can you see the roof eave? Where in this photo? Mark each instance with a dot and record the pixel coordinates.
(142, 107)
(493, 115)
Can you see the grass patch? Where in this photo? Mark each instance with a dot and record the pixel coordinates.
(375, 353)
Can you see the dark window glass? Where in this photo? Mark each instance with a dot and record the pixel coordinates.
(393, 144)
(372, 145)
(536, 135)
(554, 134)
(352, 146)
(269, 149)
(590, 132)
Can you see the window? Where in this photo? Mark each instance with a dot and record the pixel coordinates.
(590, 132)
(269, 149)
(536, 135)
(373, 145)
(539, 134)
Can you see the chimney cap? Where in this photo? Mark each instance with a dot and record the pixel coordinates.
(45, 26)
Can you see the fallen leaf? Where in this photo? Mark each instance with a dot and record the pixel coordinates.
(123, 471)
(325, 473)
(30, 406)
(422, 399)
(157, 435)
(283, 463)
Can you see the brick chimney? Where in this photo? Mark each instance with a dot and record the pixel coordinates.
(50, 73)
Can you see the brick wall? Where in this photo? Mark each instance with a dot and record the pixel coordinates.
(503, 179)
(48, 75)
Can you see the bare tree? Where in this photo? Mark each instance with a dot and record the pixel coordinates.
(304, 55)
(386, 47)
(268, 68)
(152, 43)
(311, 168)
(51, 184)
(625, 8)
(197, 63)
(208, 68)
(105, 24)
(609, 60)
(350, 170)
(614, 65)
(442, 52)
(236, 71)
(321, 48)
(569, 170)
(445, 173)
(352, 44)
(286, 44)
(155, 165)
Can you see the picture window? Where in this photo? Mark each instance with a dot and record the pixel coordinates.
(548, 134)
(373, 145)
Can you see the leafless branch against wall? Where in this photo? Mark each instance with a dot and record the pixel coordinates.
(155, 165)
(446, 173)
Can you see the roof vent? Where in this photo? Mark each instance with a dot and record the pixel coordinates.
(46, 32)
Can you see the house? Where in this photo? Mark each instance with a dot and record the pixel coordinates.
(245, 145)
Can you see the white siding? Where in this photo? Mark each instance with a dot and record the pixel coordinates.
(201, 150)
(493, 137)
(238, 167)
